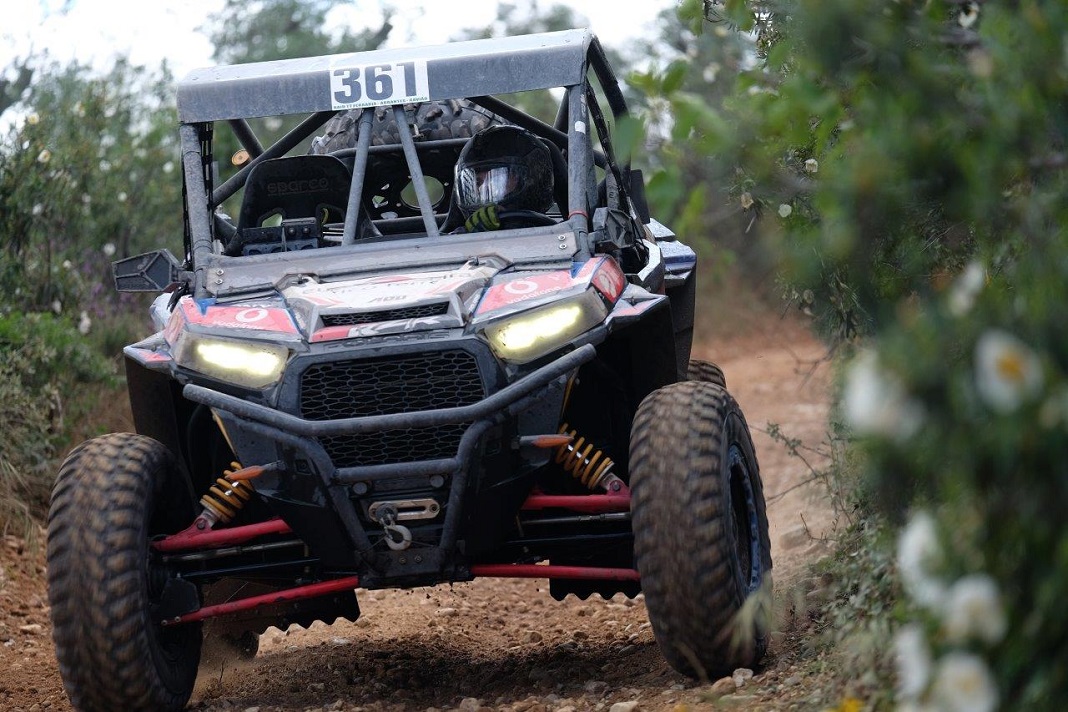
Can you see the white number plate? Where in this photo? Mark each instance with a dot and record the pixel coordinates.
(378, 84)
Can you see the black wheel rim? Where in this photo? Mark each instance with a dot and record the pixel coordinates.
(744, 519)
(171, 645)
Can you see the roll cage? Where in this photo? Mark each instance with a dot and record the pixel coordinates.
(393, 80)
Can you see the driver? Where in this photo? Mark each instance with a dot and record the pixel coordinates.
(504, 179)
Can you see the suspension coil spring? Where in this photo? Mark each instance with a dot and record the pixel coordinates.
(583, 461)
(226, 497)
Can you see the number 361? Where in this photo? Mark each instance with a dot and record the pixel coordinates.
(376, 83)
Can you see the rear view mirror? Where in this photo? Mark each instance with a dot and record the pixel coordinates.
(156, 271)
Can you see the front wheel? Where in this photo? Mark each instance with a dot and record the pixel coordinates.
(706, 372)
(700, 529)
(105, 584)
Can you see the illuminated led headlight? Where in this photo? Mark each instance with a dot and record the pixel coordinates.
(539, 331)
(243, 363)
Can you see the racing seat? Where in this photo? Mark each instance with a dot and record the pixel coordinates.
(306, 192)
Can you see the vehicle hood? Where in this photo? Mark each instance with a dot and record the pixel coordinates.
(310, 311)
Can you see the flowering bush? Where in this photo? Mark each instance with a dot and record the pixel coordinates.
(907, 160)
(984, 563)
(78, 152)
(965, 619)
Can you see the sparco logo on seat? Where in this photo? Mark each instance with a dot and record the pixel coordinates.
(298, 186)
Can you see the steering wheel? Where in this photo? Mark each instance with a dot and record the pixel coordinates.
(528, 218)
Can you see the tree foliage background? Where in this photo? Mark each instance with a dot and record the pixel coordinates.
(906, 162)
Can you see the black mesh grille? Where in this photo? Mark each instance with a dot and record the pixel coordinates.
(423, 310)
(394, 445)
(401, 384)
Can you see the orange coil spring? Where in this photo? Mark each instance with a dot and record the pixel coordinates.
(582, 460)
(226, 498)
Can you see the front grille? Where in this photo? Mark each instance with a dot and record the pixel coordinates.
(416, 312)
(380, 386)
(406, 445)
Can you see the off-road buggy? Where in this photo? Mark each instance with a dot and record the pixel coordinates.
(345, 393)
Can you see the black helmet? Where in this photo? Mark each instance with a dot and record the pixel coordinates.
(504, 166)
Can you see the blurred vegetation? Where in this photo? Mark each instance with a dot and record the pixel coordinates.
(266, 30)
(906, 163)
(87, 175)
(43, 359)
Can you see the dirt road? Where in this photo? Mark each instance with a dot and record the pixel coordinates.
(491, 643)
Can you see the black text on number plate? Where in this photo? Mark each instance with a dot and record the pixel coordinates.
(376, 84)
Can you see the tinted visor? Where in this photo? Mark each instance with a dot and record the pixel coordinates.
(489, 183)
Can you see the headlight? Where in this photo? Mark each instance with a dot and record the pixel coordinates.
(539, 331)
(243, 363)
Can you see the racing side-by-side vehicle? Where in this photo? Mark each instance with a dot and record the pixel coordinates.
(353, 387)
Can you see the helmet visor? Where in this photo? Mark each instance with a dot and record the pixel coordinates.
(488, 183)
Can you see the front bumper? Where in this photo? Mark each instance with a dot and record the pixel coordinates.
(246, 421)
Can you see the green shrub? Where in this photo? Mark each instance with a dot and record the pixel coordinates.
(44, 361)
(907, 162)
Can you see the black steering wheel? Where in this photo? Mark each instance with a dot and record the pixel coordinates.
(526, 218)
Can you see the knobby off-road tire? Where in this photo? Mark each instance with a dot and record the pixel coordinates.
(103, 582)
(436, 120)
(706, 372)
(700, 529)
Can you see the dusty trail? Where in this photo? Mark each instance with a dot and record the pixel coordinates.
(501, 644)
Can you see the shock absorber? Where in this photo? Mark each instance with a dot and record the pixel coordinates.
(586, 463)
(225, 498)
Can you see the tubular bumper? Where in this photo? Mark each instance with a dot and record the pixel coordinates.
(486, 408)
(299, 434)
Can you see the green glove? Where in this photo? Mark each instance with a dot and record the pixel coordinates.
(483, 220)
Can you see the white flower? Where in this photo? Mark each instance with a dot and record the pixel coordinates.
(973, 610)
(968, 14)
(44, 156)
(273, 123)
(121, 197)
(168, 166)
(812, 165)
(784, 210)
(1007, 371)
(105, 166)
(57, 306)
(68, 265)
(33, 119)
(86, 199)
(918, 554)
(874, 401)
(79, 109)
(912, 659)
(109, 249)
(84, 324)
(37, 209)
(964, 684)
(747, 200)
(711, 72)
(966, 288)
